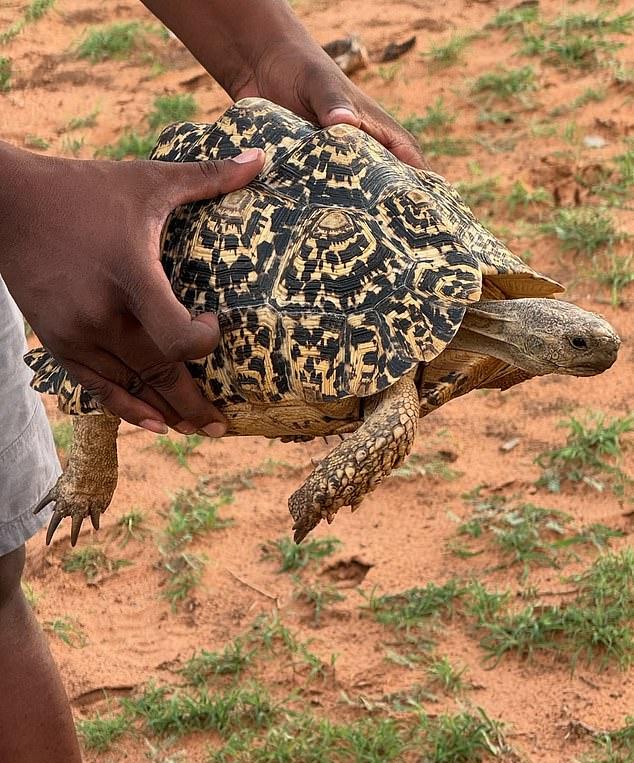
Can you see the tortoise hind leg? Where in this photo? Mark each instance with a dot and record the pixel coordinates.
(85, 488)
(356, 466)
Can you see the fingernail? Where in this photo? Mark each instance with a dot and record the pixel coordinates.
(342, 113)
(215, 430)
(184, 427)
(248, 156)
(158, 427)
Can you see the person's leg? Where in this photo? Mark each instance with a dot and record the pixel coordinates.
(36, 725)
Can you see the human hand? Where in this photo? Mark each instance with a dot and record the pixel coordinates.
(262, 49)
(79, 252)
(308, 82)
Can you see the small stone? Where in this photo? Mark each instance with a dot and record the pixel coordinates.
(594, 141)
(509, 445)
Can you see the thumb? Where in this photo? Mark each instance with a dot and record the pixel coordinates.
(332, 107)
(194, 181)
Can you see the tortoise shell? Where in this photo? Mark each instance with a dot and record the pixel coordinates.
(333, 274)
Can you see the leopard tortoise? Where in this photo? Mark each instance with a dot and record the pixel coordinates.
(354, 293)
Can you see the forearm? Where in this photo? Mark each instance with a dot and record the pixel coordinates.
(16, 171)
(229, 37)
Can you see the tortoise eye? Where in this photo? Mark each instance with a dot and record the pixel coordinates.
(579, 343)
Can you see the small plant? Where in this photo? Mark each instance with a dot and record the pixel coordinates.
(592, 454)
(617, 746)
(30, 594)
(32, 13)
(596, 624)
(442, 673)
(450, 53)
(618, 274)
(435, 120)
(129, 144)
(418, 465)
(505, 84)
(35, 141)
(582, 229)
(192, 513)
(67, 630)
(520, 196)
(232, 661)
(171, 108)
(91, 561)
(176, 712)
(179, 449)
(515, 17)
(73, 146)
(415, 606)
(478, 192)
(184, 573)
(113, 41)
(99, 732)
(131, 526)
(464, 738)
(79, 123)
(6, 70)
(318, 597)
(389, 72)
(525, 534)
(292, 556)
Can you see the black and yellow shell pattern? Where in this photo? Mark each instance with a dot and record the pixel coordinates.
(333, 274)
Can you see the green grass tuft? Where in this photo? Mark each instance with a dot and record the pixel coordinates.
(179, 449)
(506, 84)
(172, 108)
(91, 561)
(113, 41)
(6, 71)
(582, 229)
(592, 454)
(100, 732)
(415, 606)
(192, 513)
(293, 556)
(596, 625)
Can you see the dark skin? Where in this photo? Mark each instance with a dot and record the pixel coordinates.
(79, 251)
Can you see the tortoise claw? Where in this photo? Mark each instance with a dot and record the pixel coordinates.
(69, 503)
(48, 498)
(53, 525)
(95, 516)
(75, 528)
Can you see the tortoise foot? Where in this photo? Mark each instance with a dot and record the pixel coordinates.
(70, 503)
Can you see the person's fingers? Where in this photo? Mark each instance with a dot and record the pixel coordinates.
(116, 399)
(185, 182)
(152, 302)
(167, 385)
(174, 383)
(330, 102)
(395, 138)
(333, 104)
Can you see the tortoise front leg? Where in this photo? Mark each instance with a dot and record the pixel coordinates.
(85, 489)
(362, 461)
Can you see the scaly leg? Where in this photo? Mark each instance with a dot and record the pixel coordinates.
(85, 489)
(362, 461)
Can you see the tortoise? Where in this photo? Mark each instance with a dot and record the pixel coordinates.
(355, 295)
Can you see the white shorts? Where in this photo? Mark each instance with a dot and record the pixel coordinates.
(28, 461)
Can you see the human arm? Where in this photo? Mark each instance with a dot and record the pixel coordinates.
(260, 48)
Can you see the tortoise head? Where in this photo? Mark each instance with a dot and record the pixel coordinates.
(541, 336)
